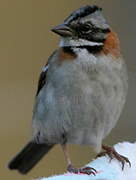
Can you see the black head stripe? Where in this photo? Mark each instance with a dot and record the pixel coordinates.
(82, 12)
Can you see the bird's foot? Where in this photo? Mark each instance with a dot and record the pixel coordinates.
(84, 170)
(111, 152)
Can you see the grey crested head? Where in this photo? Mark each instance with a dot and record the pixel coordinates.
(86, 23)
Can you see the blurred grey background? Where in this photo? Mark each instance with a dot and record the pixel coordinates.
(26, 42)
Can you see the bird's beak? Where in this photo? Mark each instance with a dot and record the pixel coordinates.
(63, 30)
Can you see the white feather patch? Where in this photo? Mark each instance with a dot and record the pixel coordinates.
(45, 68)
(77, 42)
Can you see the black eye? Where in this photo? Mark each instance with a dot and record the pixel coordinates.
(85, 27)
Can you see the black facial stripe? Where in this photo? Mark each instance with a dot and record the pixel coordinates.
(106, 30)
(90, 49)
(69, 50)
(82, 12)
(92, 27)
(92, 33)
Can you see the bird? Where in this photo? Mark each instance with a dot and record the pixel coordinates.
(81, 92)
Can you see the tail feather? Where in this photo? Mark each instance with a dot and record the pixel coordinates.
(30, 155)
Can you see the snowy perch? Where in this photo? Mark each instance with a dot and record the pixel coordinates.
(107, 170)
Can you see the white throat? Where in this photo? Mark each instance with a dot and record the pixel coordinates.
(77, 42)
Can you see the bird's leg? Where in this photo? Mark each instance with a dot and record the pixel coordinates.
(72, 169)
(66, 154)
(111, 152)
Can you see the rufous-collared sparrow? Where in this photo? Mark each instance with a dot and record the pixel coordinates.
(81, 91)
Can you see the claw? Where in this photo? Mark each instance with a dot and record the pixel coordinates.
(85, 170)
(127, 160)
(113, 154)
(88, 168)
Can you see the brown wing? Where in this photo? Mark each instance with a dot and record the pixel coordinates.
(42, 79)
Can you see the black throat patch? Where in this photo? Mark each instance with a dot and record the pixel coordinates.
(91, 49)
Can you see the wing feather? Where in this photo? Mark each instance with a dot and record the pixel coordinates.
(42, 79)
(43, 75)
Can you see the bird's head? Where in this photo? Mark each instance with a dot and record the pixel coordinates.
(84, 26)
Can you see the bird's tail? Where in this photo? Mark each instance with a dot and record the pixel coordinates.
(29, 157)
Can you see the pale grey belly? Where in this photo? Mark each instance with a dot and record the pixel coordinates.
(77, 113)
